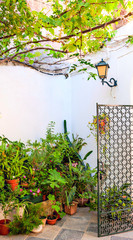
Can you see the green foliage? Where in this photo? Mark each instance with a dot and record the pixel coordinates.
(12, 158)
(70, 195)
(78, 27)
(130, 39)
(6, 200)
(56, 206)
(55, 180)
(31, 219)
(115, 200)
(43, 171)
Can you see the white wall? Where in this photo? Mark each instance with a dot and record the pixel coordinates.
(29, 100)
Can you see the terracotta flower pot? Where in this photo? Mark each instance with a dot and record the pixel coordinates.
(4, 228)
(25, 185)
(51, 221)
(13, 183)
(44, 197)
(44, 219)
(82, 202)
(71, 209)
(58, 215)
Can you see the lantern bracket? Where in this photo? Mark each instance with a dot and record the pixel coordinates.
(112, 81)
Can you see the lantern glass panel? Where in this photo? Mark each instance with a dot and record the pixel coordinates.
(102, 71)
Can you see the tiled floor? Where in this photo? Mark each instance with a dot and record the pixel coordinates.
(80, 226)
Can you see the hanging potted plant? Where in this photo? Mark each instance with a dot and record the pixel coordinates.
(103, 122)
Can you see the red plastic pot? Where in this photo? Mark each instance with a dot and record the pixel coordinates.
(13, 183)
(4, 228)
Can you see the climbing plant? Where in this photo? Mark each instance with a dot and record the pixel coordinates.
(63, 29)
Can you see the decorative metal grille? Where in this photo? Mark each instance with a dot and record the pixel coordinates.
(115, 168)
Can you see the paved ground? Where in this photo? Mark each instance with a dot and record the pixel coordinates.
(80, 226)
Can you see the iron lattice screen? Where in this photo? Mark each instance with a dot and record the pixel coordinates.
(115, 162)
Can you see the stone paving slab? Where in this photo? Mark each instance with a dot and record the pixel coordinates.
(49, 232)
(68, 234)
(78, 224)
(120, 238)
(14, 237)
(35, 238)
(92, 227)
(93, 236)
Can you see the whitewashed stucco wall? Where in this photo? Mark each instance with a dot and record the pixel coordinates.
(29, 100)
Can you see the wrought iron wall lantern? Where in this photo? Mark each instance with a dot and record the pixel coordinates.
(102, 69)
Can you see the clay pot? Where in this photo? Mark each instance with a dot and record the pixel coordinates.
(4, 228)
(44, 197)
(51, 221)
(71, 209)
(25, 185)
(82, 202)
(58, 215)
(13, 183)
(44, 221)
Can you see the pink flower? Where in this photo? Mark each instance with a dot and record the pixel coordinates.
(33, 169)
(21, 189)
(30, 190)
(24, 176)
(34, 193)
(50, 160)
(38, 191)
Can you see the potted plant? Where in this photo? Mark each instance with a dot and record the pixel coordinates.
(85, 182)
(44, 219)
(12, 159)
(70, 205)
(52, 218)
(83, 199)
(29, 222)
(103, 121)
(6, 201)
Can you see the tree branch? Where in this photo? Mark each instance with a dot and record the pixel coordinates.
(34, 49)
(9, 36)
(98, 26)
